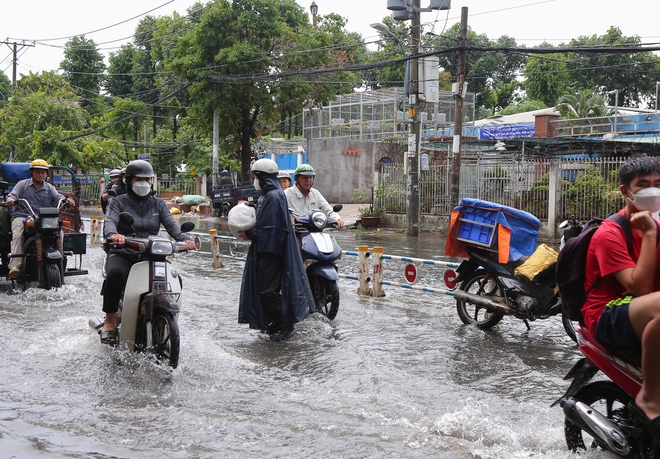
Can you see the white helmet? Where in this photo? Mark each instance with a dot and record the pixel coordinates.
(265, 166)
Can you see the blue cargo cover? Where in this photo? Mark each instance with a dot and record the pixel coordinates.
(524, 226)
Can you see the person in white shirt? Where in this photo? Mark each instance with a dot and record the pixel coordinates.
(302, 198)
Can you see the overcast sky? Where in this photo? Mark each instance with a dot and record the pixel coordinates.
(111, 23)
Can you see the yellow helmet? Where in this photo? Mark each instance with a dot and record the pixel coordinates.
(39, 164)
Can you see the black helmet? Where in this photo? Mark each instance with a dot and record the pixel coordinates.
(139, 168)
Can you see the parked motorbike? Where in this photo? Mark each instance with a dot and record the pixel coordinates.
(489, 290)
(572, 227)
(320, 253)
(598, 414)
(43, 258)
(151, 301)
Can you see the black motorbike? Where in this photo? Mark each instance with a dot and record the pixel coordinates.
(489, 290)
(43, 258)
(320, 253)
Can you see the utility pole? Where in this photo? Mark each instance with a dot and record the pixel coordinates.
(15, 49)
(412, 161)
(455, 177)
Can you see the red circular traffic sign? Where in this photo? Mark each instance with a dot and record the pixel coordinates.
(449, 277)
(410, 273)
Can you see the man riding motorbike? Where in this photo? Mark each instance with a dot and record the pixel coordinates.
(39, 194)
(148, 212)
(302, 198)
(116, 183)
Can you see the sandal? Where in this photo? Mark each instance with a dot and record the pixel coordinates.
(109, 337)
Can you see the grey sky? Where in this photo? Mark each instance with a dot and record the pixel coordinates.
(528, 21)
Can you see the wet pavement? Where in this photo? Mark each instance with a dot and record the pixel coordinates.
(399, 376)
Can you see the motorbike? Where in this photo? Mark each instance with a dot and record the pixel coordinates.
(572, 227)
(598, 413)
(151, 301)
(489, 290)
(43, 258)
(320, 253)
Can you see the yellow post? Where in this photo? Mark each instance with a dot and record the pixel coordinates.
(363, 276)
(377, 289)
(216, 263)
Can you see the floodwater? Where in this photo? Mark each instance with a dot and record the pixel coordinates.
(397, 377)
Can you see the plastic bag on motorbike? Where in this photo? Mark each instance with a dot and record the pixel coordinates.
(241, 218)
(542, 258)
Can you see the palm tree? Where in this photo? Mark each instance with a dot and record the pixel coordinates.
(585, 104)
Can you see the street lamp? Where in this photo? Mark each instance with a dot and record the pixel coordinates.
(656, 96)
(379, 26)
(314, 9)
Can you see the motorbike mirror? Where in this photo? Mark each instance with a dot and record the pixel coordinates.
(126, 219)
(563, 224)
(187, 227)
(337, 207)
(112, 193)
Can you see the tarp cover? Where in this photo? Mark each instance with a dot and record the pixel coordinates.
(517, 231)
(13, 172)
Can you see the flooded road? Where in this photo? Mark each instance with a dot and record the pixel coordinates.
(398, 376)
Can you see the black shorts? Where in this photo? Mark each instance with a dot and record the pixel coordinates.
(614, 327)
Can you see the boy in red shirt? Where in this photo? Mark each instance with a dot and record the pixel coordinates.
(623, 309)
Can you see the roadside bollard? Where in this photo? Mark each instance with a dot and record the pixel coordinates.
(363, 276)
(95, 235)
(216, 263)
(377, 289)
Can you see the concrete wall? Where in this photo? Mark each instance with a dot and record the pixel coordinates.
(338, 174)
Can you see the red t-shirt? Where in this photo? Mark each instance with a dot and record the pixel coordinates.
(608, 254)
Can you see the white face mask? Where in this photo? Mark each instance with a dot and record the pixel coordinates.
(256, 185)
(647, 199)
(141, 188)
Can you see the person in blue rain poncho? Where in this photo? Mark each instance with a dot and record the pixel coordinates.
(275, 292)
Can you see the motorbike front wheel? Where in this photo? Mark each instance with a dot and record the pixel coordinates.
(52, 275)
(608, 399)
(479, 283)
(166, 340)
(326, 296)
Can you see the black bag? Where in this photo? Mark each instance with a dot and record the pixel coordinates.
(571, 265)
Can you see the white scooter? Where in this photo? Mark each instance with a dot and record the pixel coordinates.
(151, 301)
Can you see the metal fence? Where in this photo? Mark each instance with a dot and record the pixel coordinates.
(584, 187)
(182, 185)
(90, 189)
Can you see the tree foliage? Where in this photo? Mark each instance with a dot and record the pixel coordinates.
(83, 68)
(43, 114)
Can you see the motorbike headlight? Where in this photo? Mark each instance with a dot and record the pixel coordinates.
(319, 219)
(50, 223)
(161, 248)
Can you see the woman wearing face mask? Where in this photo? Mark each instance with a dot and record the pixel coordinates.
(148, 212)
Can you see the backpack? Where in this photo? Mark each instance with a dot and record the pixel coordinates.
(571, 266)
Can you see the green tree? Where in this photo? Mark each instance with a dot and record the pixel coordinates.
(491, 75)
(525, 105)
(632, 74)
(259, 39)
(83, 68)
(546, 77)
(585, 104)
(5, 89)
(43, 119)
(119, 81)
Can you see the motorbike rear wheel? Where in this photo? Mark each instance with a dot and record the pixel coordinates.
(479, 283)
(569, 327)
(326, 296)
(52, 276)
(166, 338)
(609, 400)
